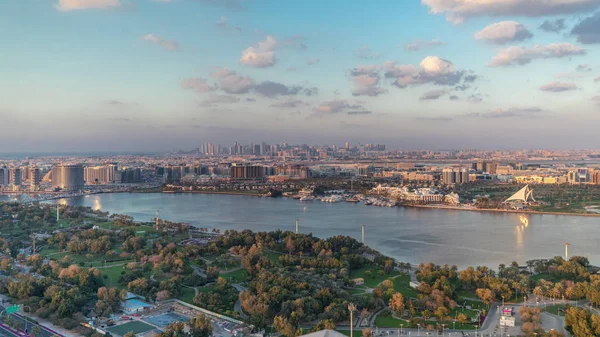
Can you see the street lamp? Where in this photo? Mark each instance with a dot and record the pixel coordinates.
(401, 332)
(351, 308)
(502, 301)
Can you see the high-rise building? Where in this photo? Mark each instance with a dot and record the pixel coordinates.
(16, 177)
(4, 176)
(68, 177)
(242, 171)
(131, 175)
(455, 175)
(105, 174)
(35, 178)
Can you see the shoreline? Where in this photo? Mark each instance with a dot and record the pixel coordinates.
(212, 192)
(491, 210)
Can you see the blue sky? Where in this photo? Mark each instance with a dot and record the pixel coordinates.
(154, 75)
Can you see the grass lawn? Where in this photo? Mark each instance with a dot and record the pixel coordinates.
(401, 285)
(466, 293)
(385, 320)
(188, 296)
(273, 256)
(206, 289)
(373, 280)
(554, 309)
(473, 304)
(236, 276)
(357, 291)
(113, 274)
(546, 277)
(134, 326)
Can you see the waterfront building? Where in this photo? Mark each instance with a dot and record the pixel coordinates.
(455, 175)
(68, 177)
(246, 171)
(105, 174)
(524, 196)
(131, 175)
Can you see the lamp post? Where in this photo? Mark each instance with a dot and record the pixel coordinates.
(351, 308)
(401, 332)
(502, 301)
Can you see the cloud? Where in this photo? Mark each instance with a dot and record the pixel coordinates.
(457, 11)
(231, 82)
(289, 104)
(558, 87)
(504, 32)
(166, 44)
(366, 81)
(515, 55)
(596, 99)
(508, 113)
(597, 79)
(588, 30)
(432, 69)
(422, 44)
(553, 26)
(454, 98)
(197, 84)
(312, 61)
(335, 107)
(274, 89)
(366, 53)
(432, 95)
(73, 5)
(359, 112)
(262, 55)
(219, 99)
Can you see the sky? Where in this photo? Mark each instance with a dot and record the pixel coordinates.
(154, 75)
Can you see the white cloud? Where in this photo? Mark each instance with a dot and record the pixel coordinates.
(558, 87)
(422, 44)
(167, 44)
(597, 79)
(197, 84)
(457, 11)
(73, 5)
(431, 70)
(504, 32)
(262, 55)
(519, 55)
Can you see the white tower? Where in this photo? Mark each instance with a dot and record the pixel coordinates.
(297, 225)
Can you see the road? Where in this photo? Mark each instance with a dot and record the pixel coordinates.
(238, 305)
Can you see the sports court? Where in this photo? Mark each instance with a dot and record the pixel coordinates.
(163, 320)
(135, 326)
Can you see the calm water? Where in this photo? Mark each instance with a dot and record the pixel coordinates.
(408, 234)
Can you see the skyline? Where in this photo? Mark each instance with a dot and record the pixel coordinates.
(156, 75)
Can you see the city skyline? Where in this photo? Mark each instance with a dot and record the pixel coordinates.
(120, 75)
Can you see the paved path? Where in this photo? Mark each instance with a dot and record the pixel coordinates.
(238, 305)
